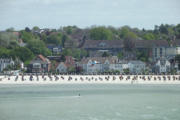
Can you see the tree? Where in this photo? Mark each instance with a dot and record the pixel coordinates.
(10, 29)
(148, 36)
(126, 33)
(101, 33)
(54, 39)
(27, 29)
(74, 52)
(105, 54)
(71, 69)
(120, 55)
(69, 29)
(26, 36)
(129, 43)
(35, 28)
(38, 47)
(4, 52)
(23, 53)
(126, 71)
(177, 58)
(177, 31)
(6, 38)
(67, 52)
(13, 44)
(163, 29)
(64, 39)
(142, 55)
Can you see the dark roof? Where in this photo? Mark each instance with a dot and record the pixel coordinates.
(51, 46)
(103, 44)
(99, 60)
(151, 43)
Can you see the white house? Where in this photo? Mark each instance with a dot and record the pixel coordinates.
(61, 68)
(119, 66)
(98, 64)
(136, 66)
(162, 66)
(5, 62)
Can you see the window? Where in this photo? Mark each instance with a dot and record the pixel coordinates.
(36, 65)
(161, 51)
(155, 52)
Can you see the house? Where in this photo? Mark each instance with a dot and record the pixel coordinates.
(98, 64)
(154, 48)
(136, 66)
(5, 62)
(165, 49)
(64, 67)
(96, 46)
(90, 65)
(40, 64)
(162, 66)
(119, 66)
(55, 49)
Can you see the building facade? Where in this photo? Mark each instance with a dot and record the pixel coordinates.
(136, 66)
(5, 62)
(39, 65)
(162, 66)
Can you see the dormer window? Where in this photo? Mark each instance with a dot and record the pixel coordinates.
(102, 44)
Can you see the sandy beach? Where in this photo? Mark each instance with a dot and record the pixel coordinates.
(91, 79)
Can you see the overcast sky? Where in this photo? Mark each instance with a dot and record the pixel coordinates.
(85, 13)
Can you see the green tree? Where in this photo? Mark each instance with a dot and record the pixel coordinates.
(125, 33)
(6, 38)
(26, 36)
(10, 29)
(142, 55)
(35, 28)
(38, 47)
(105, 54)
(120, 55)
(101, 33)
(27, 29)
(54, 39)
(126, 71)
(149, 36)
(69, 29)
(4, 52)
(67, 52)
(13, 44)
(71, 69)
(74, 52)
(64, 39)
(129, 43)
(177, 58)
(23, 53)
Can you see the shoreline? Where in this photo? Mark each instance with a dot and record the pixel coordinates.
(91, 79)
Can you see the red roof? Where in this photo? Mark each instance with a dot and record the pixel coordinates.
(42, 57)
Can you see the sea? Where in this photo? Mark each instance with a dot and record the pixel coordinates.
(90, 102)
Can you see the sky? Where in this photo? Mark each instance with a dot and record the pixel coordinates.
(86, 13)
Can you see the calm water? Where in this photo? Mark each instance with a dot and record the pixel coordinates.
(96, 102)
